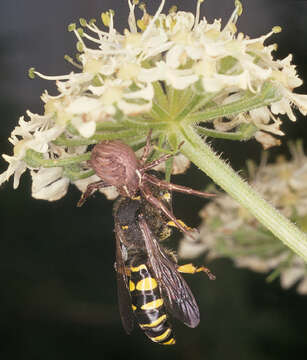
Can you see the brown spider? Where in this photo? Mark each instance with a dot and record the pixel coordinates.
(117, 165)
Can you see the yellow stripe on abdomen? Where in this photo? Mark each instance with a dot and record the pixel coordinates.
(172, 341)
(146, 284)
(154, 323)
(138, 268)
(162, 336)
(131, 286)
(152, 305)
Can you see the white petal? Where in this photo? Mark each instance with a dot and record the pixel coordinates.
(83, 183)
(253, 262)
(291, 276)
(41, 139)
(146, 93)
(190, 250)
(173, 56)
(181, 82)
(212, 84)
(44, 176)
(110, 192)
(20, 169)
(300, 101)
(85, 128)
(130, 108)
(83, 104)
(302, 287)
(48, 184)
(262, 113)
(283, 107)
(180, 165)
(152, 74)
(13, 163)
(266, 140)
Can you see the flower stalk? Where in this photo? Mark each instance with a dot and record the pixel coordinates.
(221, 173)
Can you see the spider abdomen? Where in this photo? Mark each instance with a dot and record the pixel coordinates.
(116, 164)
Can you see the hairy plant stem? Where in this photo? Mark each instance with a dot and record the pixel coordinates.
(249, 101)
(221, 173)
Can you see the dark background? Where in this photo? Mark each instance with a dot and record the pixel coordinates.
(58, 292)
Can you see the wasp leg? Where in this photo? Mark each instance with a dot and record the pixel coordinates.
(171, 223)
(192, 269)
(175, 187)
(90, 189)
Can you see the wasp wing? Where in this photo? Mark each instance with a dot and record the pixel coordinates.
(124, 298)
(176, 292)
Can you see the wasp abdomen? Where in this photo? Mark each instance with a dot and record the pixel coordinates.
(148, 306)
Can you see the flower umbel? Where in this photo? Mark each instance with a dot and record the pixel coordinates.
(119, 86)
(175, 74)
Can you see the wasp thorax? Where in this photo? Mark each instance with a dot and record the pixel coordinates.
(116, 164)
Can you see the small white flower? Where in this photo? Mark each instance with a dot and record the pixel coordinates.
(110, 192)
(34, 135)
(49, 184)
(16, 167)
(85, 128)
(266, 140)
(290, 276)
(180, 165)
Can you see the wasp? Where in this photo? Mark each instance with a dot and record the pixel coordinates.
(150, 286)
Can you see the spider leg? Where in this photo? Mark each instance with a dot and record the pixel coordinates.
(90, 189)
(154, 163)
(158, 161)
(175, 187)
(146, 148)
(159, 205)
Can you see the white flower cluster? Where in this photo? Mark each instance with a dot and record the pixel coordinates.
(118, 76)
(228, 230)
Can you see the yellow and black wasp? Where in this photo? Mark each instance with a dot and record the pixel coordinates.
(150, 286)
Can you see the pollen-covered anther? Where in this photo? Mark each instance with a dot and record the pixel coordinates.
(106, 17)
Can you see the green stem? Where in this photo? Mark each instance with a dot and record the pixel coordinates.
(250, 101)
(246, 133)
(108, 126)
(145, 125)
(187, 109)
(197, 102)
(96, 138)
(62, 140)
(221, 173)
(35, 159)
